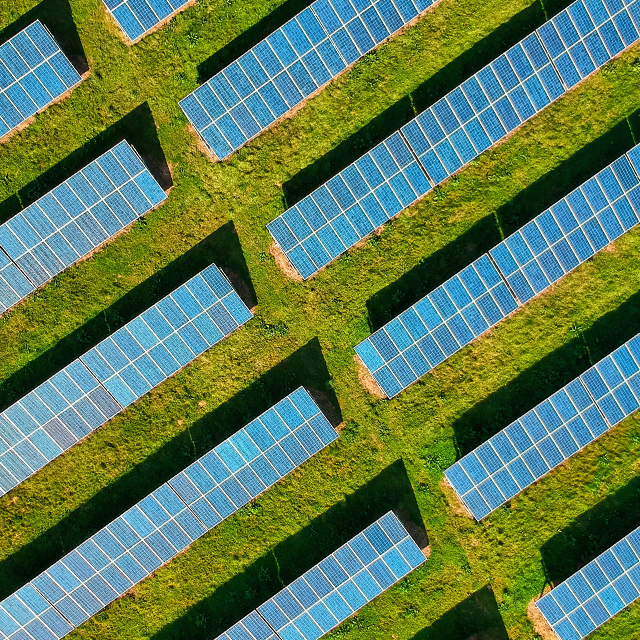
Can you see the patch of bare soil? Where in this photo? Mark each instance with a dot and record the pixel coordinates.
(283, 264)
(540, 625)
(367, 380)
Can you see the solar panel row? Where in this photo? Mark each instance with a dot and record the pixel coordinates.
(522, 266)
(335, 588)
(167, 521)
(33, 73)
(454, 131)
(137, 17)
(596, 593)
(74, 219)
(283, 70)
(102, 382)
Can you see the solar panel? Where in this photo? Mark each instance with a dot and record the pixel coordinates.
(167, 521)
(546, 436)
(283, 70)
(525, 264)
(596, 593)
(137, 17)
(33, 73)
(14, 285)
(336, 588)
(91, 390)
(79, 215)
(458, 128)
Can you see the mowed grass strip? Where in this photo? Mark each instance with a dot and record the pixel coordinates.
(390, 452)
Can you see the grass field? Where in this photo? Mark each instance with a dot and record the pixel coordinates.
(391, 454)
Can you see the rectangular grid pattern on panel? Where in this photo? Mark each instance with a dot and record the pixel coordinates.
(336, 588)
(14, 285)
(596, 593)
(572, 230)
(495, 101)
(437, 326)
(80, 214)
(167, 521)
(137, 17)
(283, 70)
(34, 72)
(166, 337)
(549, 434)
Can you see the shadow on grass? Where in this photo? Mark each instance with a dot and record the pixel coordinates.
(477, 617)
(304, 367)
(547, 376)
(441, 83)
(249, 38)
(592, 533)
(391, 489)
(137, 127)
(57, 17)
(437, 268)
(221, 247)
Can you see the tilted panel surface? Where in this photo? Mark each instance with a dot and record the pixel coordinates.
(280, 72)
(14, 285)
(471, 118)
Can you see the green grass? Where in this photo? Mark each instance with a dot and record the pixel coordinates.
(391, 453)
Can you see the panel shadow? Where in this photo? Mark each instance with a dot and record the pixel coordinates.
(390, 490)
(304, 367)
(396, 116)
(137, 127)
(249, 38)
(56, 15)
(222, 247)
(547, 376)
(592, 533)
(475, 618)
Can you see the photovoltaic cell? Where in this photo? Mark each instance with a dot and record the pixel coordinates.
(137, 17)
(123, 367)
(74, 219)
(167, 521)
(34, 72)
(546, 436)
(336, 588)
(522, 266)
(287, 67)
(596, 593)
(458, 128)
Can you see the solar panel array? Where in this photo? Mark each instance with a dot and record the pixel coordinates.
(454, 131)
(73, 220)
(546, 436)
(522, 266)
(167, 521)
(137, 17)
(596, 593)
(123, 367)
(344, 582)
(33, 73)
(280, 72)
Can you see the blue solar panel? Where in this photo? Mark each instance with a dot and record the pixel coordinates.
(283, 70)
(546, 436)
(463, 124)
(137, 17)
(520, 267)
(33, 73)
(436, 327)
(596, 593)
(167, 521)
(14, 285)
(336, 588)
(78, 216)
(112, 375)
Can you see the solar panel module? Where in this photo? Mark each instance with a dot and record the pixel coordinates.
(34, 72)
(450, 134)
(525, 264)
(74, 219)
(166, 522)
(294, 62)
(102, 382)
